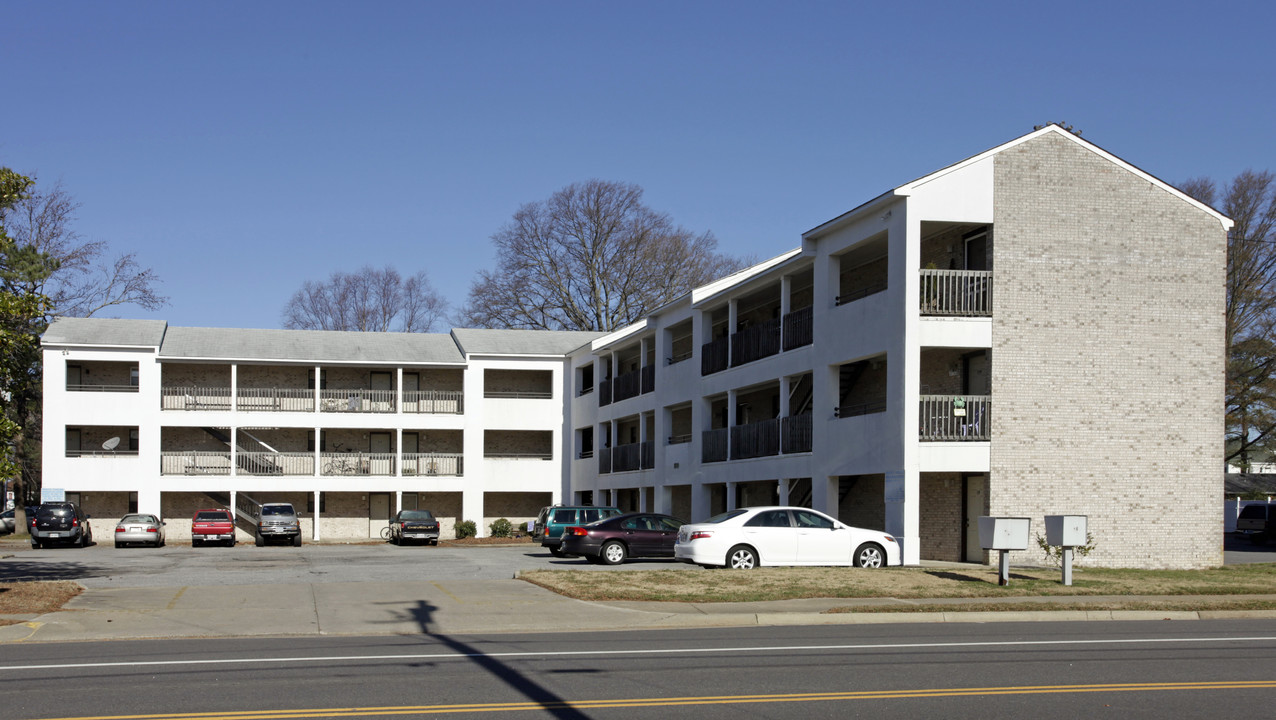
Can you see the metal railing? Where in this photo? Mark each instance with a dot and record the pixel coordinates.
(194, 462)
(275, 463)
(755, 342)
(604, 392)
(359, 463)
(498, 455)
(715, 356)
(275, 399)
(757, 439)
(799, 328)
(356, 400)
(626, 385)
(433, 464)
(83, 387)
(626, 457)
(679, 357)
(713, 445)
(194, 397)
(648, 379)
(855, 409)
(647, 455)
(954, 417)
(438, 402)
(604, 461)
(863, 292)
(520, 394)
(679, 439)
(795, 433)
(101, 453)
(956, 292)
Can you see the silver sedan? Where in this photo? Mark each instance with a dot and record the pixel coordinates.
(140, 528)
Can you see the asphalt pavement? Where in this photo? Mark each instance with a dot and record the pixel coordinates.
(158, 594)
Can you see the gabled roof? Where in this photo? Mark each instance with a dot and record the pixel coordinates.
(907, 188)
(109, 332)
(319, 346)
(474, 341)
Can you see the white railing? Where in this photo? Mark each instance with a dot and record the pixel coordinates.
(275, 463)
(434, 401)
(275, 399)
(194, 462)
(433, 464)
(357, 401)
(357, 463)
(956, 292)
(954, 417)
(192, 397)
(83, 387)
(101, 453)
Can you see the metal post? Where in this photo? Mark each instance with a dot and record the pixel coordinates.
(1067, 565)
(1003, 568)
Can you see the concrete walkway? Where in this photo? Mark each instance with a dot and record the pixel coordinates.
(456, 607)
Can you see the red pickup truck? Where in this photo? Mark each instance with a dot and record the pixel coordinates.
(213, 526)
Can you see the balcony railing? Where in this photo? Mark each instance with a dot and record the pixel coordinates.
(626, 457)
(713, 445)
(648, 379)
(855, 409)
(956, 292)
(715, 355)
(100, 453)
(275, 399)
(604, 461)
(798, 328)
(626, 385)
(755, 342)
(647, 455)
(355, 400)
(194, 462)
(359, 463)
(437, 402)
(604, 393)
(433, 464)
(795, 433)
(862, 292)
(82, 387)
(962, 418)
(758, 439)
(679, 439)
(519, 394)
(194, 397)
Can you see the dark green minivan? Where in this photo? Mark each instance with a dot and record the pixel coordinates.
(553, 518)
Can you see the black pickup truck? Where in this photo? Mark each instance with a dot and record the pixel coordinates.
(1257, 522)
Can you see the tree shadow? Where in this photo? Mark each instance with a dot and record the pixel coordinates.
(959, 577)
(552, 703)
(26, 571)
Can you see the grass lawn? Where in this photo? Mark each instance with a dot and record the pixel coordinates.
(685, 585)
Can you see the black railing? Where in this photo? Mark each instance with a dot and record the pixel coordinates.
(647, 453)
(795, 433)
(863, 292)
(648, 379)
(759, 439)
(868, 408)
(714, 356)
(626, 385)
(625, 457)
(604, 461)
(604, 393)
(713, 445)
(798, 328)
(755, 342)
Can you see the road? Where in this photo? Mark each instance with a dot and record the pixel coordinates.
(104, 566)
(1037, 670)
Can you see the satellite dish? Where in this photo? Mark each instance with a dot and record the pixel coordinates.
(111, 444)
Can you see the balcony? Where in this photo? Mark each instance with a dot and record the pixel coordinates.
(759, 439)
(627, 385)
(356, 400)
(857, 409)
(194, 397)
(798, 328)
(713, 445)
(960, 293)
(648, 379)
(626, 457)
(357, 463)
(795, 434)
(755, 342)
(715, 356)
(90, 387)
(433, 464)
(275, 400)
(954, 418)
(604, 393)
(436, 402)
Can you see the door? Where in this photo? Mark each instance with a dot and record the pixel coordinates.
(411, 384)
(977, 251)
(977, 375)
(771, 534)
(819, 540)
(411, 446)
(382, 395)
(379, 513)
(976, 497)
(382, 454)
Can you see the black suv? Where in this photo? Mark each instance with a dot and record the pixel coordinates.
(60, 522)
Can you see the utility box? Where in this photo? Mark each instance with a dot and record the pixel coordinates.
(1066, 530)
(1004, 533)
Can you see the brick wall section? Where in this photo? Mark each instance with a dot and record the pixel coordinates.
(274, 376)
(1107, 368)
(187, 374)
(518, 381)
(106, 373)
(939, 516)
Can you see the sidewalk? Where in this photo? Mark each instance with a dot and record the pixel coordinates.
(458, 607)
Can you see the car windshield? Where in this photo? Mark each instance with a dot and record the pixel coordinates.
(1250, 512)
(137, 519)
(212, 516)
(723, 517)
(276, 510)
(416, 515)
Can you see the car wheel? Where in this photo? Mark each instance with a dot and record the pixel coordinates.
(869, 555)
(261, 541)
(394, 539)
(119, 545)
(434, 542)
(742, 557)
(159, 544)
(613, 553)
(35, 544)
(556, 552)
(296, 541)
(231, 542)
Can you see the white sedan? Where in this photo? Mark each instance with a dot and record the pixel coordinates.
(749, 537)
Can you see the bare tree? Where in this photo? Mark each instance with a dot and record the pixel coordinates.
(85, 281)
(591, 257)
(1250, 200)
(369, 300)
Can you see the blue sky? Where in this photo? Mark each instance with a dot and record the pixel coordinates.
(242, 148)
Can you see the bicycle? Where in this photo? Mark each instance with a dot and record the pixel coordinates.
(385, 533)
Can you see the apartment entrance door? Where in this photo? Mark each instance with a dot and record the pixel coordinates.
(976, 493)
(977, 380)
(379, 513)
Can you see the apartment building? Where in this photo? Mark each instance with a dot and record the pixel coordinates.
(348, 427)
(1035, 330)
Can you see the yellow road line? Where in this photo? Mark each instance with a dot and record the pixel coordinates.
(445, 592)
(181, 591)
(683, 701)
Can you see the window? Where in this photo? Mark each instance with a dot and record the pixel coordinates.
(811, 520)
(770, 518)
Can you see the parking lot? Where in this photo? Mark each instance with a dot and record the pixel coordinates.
(104, 566)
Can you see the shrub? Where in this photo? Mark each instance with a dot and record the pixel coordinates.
(502, 528)
(466, 528)
(1054, 555)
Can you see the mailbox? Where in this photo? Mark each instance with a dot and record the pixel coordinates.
(1066, 530)
(1003, 533)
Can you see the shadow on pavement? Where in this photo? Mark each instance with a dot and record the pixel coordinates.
(26, 571)
(550, 702)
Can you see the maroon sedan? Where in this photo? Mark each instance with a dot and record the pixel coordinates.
(611, 541)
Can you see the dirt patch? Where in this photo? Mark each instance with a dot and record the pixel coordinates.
(35, 598)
